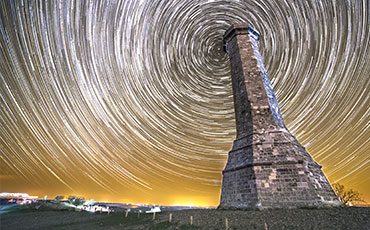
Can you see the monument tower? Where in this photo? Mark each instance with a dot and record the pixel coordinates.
(267, 167)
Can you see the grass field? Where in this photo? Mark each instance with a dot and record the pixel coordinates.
(335, 218)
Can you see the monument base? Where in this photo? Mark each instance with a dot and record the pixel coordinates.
(272, 170)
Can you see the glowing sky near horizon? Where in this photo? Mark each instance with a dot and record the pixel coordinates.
(131, 101)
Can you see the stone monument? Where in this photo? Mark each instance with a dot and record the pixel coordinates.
(267, 167)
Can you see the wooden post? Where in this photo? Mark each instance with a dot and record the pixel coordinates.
(153, 215)
(191, 220)
(226, 224)
(170, 218)
(265, 226)
(126, 213)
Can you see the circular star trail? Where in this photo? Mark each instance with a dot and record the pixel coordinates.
(132, 100)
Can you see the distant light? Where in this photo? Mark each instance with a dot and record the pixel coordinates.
(17, 195)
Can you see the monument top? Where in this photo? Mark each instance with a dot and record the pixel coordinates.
(236, 29)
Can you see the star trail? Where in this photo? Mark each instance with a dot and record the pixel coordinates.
(131, 101)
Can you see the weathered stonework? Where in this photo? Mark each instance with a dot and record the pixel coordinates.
(267, 167)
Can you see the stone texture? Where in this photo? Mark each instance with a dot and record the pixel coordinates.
(267, 167)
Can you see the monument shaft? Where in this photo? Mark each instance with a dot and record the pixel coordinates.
(267, 167)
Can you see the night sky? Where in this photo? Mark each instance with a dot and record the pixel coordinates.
(131, 101)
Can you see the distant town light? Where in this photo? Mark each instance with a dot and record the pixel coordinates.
(17, 195)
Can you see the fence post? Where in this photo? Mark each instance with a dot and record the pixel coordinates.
(226, 224)
(170, 218)
(191, 220)
(153, 215)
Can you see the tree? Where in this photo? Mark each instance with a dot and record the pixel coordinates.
(76, 200)
(347, 197)
(58, 198)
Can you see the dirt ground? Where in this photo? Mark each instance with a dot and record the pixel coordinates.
(335, 218)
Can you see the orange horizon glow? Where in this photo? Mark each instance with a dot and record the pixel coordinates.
(188, 201)
(179, 201)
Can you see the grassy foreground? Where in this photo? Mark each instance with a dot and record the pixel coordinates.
(335, 218)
